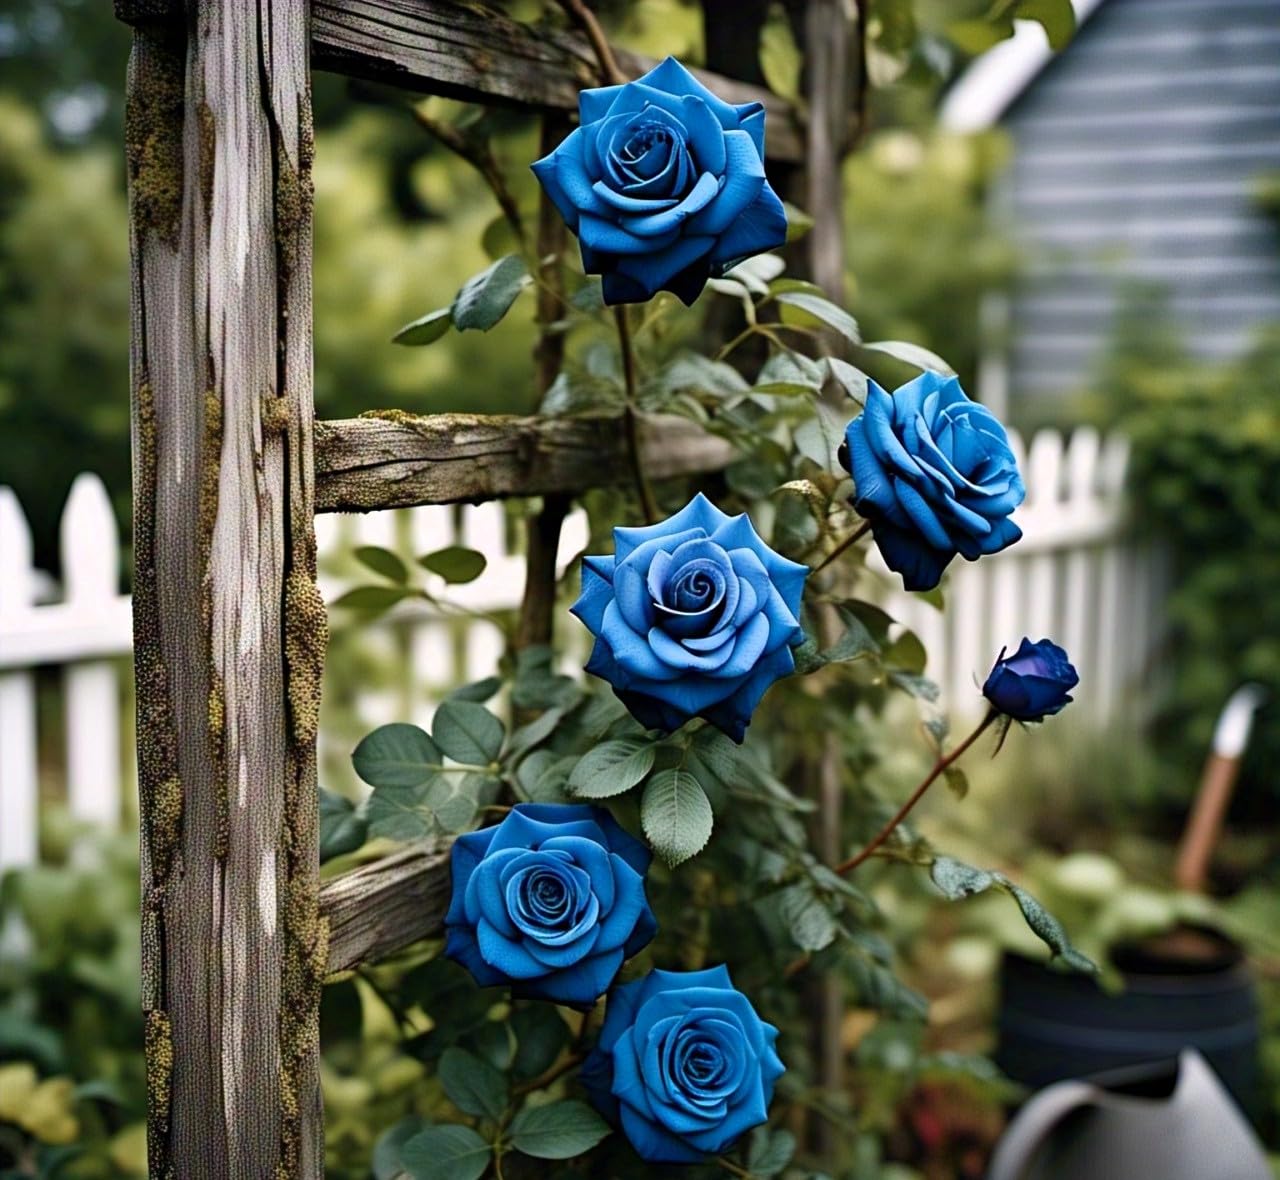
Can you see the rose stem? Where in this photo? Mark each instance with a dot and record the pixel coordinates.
(858, 533)
(599, 43)
(478, 154)
(631, 419)
(938, 767)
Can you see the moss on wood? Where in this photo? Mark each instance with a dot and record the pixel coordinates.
(153, 142)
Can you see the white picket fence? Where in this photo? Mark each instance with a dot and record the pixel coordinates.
(1076, 577)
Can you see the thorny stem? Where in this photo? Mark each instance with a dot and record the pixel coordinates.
(730, 1166)
(858, 533)
(586, 20)
(938, 768)
(631, 419)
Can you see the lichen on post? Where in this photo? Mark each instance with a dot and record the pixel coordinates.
(230, 628)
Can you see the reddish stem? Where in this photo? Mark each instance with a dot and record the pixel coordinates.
(939, 767)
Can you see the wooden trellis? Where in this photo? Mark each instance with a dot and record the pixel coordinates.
(230, 468)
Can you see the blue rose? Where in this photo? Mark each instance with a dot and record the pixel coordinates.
(934, 475)
(550, 901)
(1033, 683)
(693, 617)
(664, 185)
(683, 1065)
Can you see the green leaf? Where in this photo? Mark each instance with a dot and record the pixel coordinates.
(536, 732)
(912, 354)
(818, 438)
(396, 755)
(468, 732)
(856, 643)
(499, 238)
(446, 1152)
(976, 36)
(850, 378)
(780, 59)
(540, 1036)
(588, 297)
(386, 1155)
(612, 768)
(485, 298)
(815, 307)
(676, 815)
(957, 781)
(558, 1131)
(426, 330)
(958, 880)
(1050, 931)
(478, 690)
(808, 919)
(722, 756)
(373, 599)
(454, 801)
(342, 828)
(770, 1151)
(1056, 16)
(384, 562)
(455, 564)
(473, 1085)
(799, 222)
(401, 813)
(788, 374)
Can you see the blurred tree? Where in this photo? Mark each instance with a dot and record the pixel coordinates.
(64, 310)
(67, 58)
(922, 249)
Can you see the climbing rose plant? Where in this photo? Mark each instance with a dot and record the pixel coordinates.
(592, 1003)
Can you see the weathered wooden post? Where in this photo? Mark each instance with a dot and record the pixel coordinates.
(229, 626)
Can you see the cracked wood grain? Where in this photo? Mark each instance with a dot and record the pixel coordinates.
(229, 632)
(475, 52)
(382, 907)
(398, 461)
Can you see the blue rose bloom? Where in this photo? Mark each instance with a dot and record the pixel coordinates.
(550, 901)
(683, 1065)
(664, 185)
(934, 475)
(693, 617)
(1033, 683)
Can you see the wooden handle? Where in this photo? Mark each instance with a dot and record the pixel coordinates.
(1205, 825)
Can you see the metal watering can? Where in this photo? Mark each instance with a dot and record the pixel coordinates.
(1173, 1121)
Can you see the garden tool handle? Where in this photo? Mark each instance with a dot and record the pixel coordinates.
(1217, 782)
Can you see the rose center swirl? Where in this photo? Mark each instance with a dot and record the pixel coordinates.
(545, 898)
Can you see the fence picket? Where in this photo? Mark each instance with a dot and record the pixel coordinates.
(1074, 577)
(19, 783)
(90, 550)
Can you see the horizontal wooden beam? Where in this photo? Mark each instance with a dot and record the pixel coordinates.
(399, 460)
(386, 905)
(471, 51)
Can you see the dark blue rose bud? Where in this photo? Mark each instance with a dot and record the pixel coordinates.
(694, 617)
(1033, 683)
(550, 901)
(683, 1066)
(664, 185)
(934, 475)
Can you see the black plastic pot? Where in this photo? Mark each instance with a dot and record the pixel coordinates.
(1190, 988)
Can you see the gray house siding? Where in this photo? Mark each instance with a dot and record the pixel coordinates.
(1138, 152)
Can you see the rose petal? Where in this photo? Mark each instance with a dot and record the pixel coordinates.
(743, 185)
